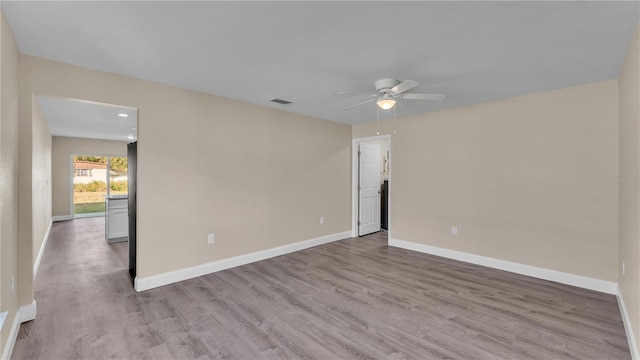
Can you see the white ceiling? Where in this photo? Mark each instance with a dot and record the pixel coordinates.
(89, 120)
(308, 52)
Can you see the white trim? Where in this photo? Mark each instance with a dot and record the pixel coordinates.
(604, 286)
(354, 180)
(28, 312)
(154, 281)
(61, 218)
(88, 102)
(36, 265)
(13, 335)
(3, 318)
(633, 346)
(354, 187)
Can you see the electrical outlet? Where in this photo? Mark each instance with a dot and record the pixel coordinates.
(454, 230)
(13, 285)
(321, 220)
(623, 268)
(211, 239)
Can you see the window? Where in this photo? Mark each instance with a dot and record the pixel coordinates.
(94, 179)
(81, 172)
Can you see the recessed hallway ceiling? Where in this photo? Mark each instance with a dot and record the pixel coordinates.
(308, 52)
(89, 120)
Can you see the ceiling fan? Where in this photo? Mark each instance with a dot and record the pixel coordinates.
(389, 90)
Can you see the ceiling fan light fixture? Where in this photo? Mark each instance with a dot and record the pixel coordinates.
(386, 103)
(389, 90)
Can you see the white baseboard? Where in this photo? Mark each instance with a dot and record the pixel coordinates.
(604, 286)
(633, 346)
(36, 265)
(62, 217)
(27, 312)
(13, 335)
(154, 281)
(3, 318)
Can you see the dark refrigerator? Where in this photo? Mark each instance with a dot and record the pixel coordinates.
(132, 170)
(384, 211)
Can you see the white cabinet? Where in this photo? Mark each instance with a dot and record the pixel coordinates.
(117, 221)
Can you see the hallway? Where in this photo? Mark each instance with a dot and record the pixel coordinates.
(82, 284)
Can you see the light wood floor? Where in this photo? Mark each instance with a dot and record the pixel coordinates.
(353, 299)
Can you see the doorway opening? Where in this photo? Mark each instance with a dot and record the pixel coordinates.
(92, 173)
(95, 179)
(371, 175)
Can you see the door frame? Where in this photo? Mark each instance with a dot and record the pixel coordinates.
(355, 145)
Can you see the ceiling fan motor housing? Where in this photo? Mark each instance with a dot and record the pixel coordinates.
(383, 85)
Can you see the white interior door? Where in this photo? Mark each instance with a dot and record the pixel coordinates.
(369, 189)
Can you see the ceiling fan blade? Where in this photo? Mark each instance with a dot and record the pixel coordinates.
(434, 97)
(358, 104)
(403, 86)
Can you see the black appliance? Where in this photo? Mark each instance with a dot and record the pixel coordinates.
(132, 170)
(384, 211)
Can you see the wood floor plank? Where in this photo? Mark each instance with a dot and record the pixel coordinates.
(351, 299)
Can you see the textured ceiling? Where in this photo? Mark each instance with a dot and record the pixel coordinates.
(308, 52)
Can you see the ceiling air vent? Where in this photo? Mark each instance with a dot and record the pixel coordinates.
(280, 101)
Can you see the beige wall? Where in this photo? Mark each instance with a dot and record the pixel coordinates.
(63, 149)
(40, 178)
(256, 177)
(25, 192)
(629, 180)
(8, 174)
(526, 179)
